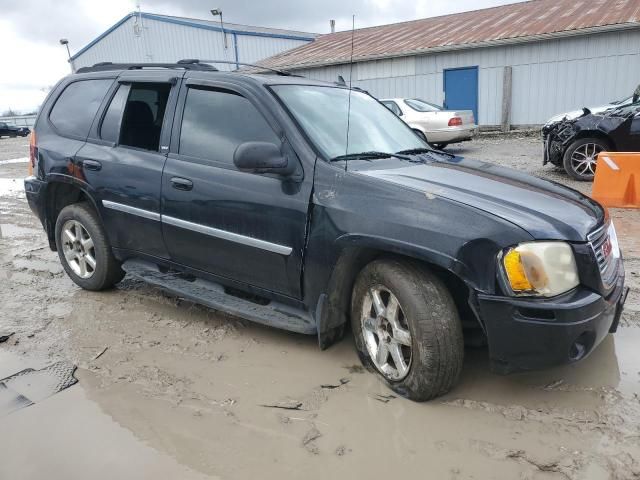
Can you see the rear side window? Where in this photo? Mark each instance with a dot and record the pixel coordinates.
(143, 115)
(76, 107)
(393, 107)
(215, 122)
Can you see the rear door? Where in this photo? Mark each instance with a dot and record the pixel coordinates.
(245, 227)
(124, 157)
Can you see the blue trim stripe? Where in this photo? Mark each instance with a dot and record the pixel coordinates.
(188, 23)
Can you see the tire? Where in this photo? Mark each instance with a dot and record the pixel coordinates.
(433, 353)
(439, 146)
(81, 221)
(583, 150)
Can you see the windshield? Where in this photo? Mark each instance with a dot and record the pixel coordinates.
(421, 105)
(322, 113)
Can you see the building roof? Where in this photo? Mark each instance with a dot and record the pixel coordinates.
(213, 25)
(513, 23)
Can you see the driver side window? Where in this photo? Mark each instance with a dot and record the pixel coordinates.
(215, 122)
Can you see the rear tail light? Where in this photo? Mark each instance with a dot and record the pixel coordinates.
(33, 153)
(455, 122)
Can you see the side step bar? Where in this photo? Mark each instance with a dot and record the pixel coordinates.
(213, 295)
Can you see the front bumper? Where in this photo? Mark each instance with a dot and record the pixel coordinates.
(530, 334)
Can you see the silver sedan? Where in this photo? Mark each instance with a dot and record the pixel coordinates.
(440, 127)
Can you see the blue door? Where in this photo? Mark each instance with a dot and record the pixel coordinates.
(461, 89)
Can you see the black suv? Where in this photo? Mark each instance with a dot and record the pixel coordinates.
(307, 206)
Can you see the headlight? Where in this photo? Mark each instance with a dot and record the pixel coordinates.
(540, 268)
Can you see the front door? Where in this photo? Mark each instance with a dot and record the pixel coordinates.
(124, 162)
(461, 89)
(245, 227)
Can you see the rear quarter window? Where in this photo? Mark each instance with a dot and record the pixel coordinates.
(77, 105)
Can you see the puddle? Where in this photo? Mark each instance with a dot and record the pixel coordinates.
(67, 436)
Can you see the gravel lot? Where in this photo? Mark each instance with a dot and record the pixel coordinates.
(170, 389)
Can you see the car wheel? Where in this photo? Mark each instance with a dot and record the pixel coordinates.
(439, 146)
(580, 158)
(406, 329)
(84, 250)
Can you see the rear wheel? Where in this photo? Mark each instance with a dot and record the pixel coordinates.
(439, 146)
(406, 329)
(84, 250)
(580, 158)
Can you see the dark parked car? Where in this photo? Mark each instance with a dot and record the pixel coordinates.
(574, 141)
(7, 130)
(306, 206)
(23, 131)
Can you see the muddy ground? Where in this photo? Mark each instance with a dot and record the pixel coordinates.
(169, 389)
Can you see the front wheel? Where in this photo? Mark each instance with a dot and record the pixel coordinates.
(84, 250)
(406, 329)
(581, 157)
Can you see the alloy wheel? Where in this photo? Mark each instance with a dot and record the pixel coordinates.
(583, 159)
(78, 249)
(386, 333)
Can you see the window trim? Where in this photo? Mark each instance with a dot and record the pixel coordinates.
(93, 120)
(103, 114)
(397, 106)
(179, 116)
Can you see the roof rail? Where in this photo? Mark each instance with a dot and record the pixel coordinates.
(194, 61)
(185, 65)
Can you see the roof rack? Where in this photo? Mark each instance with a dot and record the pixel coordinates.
(194, 61)
(182, 64)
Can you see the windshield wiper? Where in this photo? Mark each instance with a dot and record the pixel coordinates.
(418, 151)
(368, 156)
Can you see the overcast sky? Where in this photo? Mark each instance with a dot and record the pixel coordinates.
(33, 60)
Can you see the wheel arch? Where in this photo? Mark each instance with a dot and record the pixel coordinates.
(61, 193)
(595, 134)
(334, 305)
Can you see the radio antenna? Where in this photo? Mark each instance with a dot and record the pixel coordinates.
(353, 29)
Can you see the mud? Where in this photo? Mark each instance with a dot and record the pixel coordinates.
(170, 389)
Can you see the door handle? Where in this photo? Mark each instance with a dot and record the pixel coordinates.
(181, 183)
(91, 165)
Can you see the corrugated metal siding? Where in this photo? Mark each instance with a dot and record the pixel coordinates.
(169, 42)
(548, 77)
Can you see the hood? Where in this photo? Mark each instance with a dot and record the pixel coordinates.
(577, 113)
(546, 210)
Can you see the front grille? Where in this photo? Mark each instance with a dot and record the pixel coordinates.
(605, 247)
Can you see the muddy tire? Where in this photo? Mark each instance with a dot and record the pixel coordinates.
(84, 250)
(422, 333)
(579, 159)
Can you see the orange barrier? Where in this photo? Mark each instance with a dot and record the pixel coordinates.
(617, 180)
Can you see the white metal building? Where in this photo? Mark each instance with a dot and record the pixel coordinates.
(551, 55)
(147, 37)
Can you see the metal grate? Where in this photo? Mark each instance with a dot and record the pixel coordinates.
(604, 245)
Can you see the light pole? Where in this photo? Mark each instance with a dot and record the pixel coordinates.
(65, 42)
(218, 12)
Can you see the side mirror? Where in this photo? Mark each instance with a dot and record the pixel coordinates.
(262, 157)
